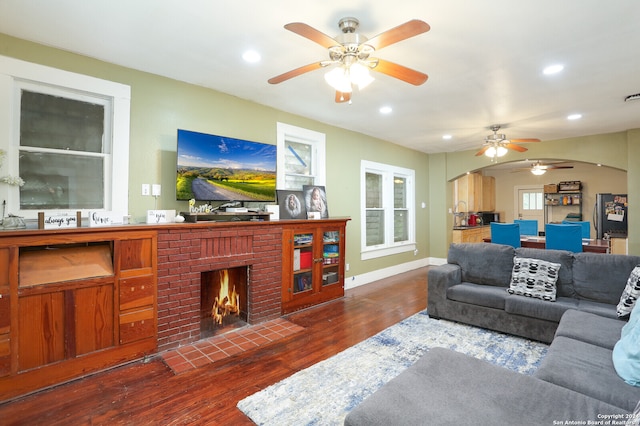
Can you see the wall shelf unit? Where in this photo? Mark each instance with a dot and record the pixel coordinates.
(561, 206)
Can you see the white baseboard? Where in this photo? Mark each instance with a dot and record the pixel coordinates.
(379, 274)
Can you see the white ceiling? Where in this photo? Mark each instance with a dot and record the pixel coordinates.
(484, 59)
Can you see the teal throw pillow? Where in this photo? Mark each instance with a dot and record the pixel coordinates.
(626, 352)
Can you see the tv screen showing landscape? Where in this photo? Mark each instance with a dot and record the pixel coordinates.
(218, 168)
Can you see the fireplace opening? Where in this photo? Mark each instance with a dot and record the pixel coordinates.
(223, 301)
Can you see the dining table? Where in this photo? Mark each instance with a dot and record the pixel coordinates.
(589, 245)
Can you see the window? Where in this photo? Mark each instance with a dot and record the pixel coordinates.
(301, 157)
(388, 210)
(68, 140)
(532, 201)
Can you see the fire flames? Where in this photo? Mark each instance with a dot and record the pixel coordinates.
(227, 301)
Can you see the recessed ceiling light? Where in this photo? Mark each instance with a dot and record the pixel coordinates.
(446, 137)
(553, 69)
(385, 110)
(251, 56)
(574, 117)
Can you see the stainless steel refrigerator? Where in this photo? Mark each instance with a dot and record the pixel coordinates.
(610, 215)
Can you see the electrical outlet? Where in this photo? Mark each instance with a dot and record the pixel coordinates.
(156, 189)
(346, 267)
(146, 189)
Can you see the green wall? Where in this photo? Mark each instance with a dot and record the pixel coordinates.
(160, 105)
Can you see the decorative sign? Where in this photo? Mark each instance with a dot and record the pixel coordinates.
(59, 220)
(104, 218)
(161, 216)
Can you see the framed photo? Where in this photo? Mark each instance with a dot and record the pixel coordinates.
(291, 204)
(315, 200)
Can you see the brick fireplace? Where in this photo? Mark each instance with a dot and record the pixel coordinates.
(184, 254)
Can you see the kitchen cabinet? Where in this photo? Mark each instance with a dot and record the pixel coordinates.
(471, 235)
(474, 193)
(559, 205)
(312, 263)
(73, 302)
(619, 245)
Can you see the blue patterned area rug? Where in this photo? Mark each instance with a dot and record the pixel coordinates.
(324, 393)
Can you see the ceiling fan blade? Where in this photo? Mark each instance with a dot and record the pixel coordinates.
(312, 34)
(343, 97)
(525, 140)
(559, 167)
(399, 33)
(400, 72)
(482, 150)
(294, 73)
(516, 147)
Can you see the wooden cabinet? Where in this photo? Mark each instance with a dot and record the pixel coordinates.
(474, 193)
(619, 245)
(488, 194)
(471, 235)
(312, 263)
(73, 302)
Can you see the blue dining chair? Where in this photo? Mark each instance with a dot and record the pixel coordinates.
(560, 236)
(505, 233)
(527, 226)
(586, 227)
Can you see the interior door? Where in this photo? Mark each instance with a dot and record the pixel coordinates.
(530, 204)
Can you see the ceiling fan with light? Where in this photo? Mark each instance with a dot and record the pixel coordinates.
(539, 169)
(497, 144)
(350, 56)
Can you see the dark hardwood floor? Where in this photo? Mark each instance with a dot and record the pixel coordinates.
(150, 394)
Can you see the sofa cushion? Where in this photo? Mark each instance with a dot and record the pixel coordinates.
(477, 294)
(592, 270)
(587, 369)
(484, 263)
(626, 353)
(448, 388)
(537, 308)
(606, 310)
(629, 294)
(564, 284)
(590, 328)
(534, 278)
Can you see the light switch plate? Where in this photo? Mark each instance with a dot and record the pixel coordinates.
(146, 189)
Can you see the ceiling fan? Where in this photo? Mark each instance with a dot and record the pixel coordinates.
(351, 52)
(539, 169)
(497, 144)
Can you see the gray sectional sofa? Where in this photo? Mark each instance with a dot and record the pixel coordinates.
(471, 288)
(576, 382)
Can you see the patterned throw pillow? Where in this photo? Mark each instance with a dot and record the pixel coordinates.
(534, 278)
(630, 294)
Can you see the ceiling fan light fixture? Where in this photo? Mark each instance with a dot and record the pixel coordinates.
(538, 171)
(360, 75)
(338, 78)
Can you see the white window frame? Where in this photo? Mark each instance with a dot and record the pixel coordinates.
(317, 140)
(15, 74)
(389, 247)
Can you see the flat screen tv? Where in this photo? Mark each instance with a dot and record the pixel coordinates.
(218, 168)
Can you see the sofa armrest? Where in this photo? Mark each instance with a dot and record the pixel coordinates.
(439, 279)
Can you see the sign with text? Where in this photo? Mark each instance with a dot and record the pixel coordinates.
(161, 216)
(58, 220)
(105, 218)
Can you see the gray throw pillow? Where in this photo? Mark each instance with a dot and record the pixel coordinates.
(534, 278)
(630, 293)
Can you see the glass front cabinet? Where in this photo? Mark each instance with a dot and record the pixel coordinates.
(313, 264)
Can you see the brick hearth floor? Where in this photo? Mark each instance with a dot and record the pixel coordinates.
(233, 342)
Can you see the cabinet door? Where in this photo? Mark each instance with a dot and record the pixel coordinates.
(60, 325)
(332, 255)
